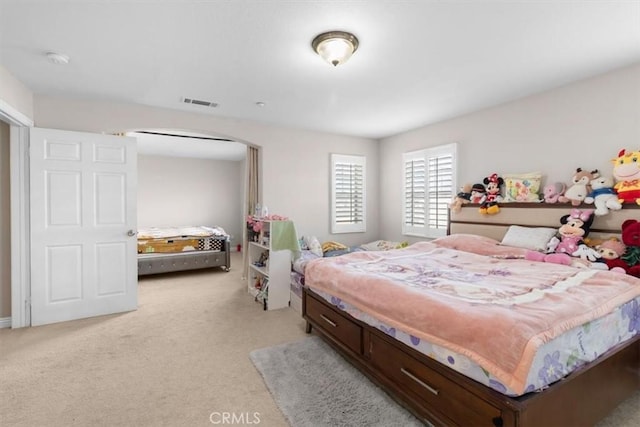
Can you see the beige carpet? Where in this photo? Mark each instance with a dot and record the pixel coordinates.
(181, 357)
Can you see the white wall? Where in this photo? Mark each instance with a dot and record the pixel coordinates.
(15, 94)
(5, 224)
(295, 173)
(584, 124)
(177, 191)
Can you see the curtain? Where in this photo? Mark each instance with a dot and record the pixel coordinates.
(253, 192)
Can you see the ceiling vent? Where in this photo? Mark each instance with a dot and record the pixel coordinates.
(199, 102)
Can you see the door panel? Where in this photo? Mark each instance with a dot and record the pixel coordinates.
(83, 202)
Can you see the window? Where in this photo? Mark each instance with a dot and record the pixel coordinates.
(428, 189)
(348, 198)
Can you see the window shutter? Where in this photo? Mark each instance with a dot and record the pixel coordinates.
(428, 188)
(440, 190)
(415, 194)
(348, 194)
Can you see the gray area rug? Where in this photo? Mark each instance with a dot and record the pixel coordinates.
(314, 386)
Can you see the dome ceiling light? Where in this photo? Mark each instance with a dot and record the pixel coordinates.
(57, 58)
(335, 47)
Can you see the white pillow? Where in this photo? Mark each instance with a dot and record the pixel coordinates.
(313, 244)
(533, 238)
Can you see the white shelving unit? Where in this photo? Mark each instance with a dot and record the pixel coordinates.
(275, 272)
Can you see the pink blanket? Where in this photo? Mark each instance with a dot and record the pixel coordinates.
(495, 311)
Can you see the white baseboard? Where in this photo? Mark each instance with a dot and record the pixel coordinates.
(5, 322)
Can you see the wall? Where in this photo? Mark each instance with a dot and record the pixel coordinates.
(15, 94)
(583, 124)
(176, 191)
(295, 163)
(5, 224)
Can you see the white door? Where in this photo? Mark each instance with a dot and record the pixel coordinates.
(83, 222)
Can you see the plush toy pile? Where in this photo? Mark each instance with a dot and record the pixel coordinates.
(606, 193)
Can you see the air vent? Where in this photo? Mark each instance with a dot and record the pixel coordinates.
(199, 102)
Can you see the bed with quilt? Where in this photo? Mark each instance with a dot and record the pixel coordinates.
(311, 249)
(168, 249)
(464, 330)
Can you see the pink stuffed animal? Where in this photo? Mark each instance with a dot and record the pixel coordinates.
(552, 192)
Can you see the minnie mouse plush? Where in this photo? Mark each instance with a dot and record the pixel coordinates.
(493, 197)
(575, 227)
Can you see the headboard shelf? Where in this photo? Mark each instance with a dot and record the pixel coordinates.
(470, 220)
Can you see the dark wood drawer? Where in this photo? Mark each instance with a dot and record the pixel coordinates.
(337, 325)
(437, 392)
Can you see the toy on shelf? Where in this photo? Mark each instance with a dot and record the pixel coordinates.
(580, 187)
(603, 196)
(462, 198)
(626, 171)
(493, 194)
(478, 193)
(553, 191)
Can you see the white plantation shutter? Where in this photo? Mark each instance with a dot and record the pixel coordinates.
(348, 198)
(428, 188)
(414, 194)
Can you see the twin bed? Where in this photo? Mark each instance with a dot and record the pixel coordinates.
(463, 331)
(169, 249)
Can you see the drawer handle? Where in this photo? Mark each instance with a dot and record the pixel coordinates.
(419, 381)
(329, 321)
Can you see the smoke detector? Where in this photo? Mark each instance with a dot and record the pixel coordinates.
(57, 58)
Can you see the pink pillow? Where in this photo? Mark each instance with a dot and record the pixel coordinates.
(480, 245)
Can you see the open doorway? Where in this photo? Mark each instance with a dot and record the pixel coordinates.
(188, 178)
(188, 181)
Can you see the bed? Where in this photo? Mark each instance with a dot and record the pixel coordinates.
(169, 249)
(573, 367)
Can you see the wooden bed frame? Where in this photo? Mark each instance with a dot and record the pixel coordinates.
(441, 396)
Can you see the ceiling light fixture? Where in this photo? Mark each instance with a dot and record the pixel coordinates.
(57, 58)
(335, 47)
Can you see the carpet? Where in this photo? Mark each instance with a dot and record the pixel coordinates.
(314, 386)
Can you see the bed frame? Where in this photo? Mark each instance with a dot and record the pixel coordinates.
(154, 263)
(441, 396)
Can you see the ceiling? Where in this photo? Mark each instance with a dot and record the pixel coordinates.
(418, 62)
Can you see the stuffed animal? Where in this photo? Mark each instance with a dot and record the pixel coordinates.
(579, 188)
(626, 171)
(462, 198)
(603, 195)
(478, 193)
(575, 227)
(611, 252)
(631, 238)
(490, 204)
(552, 192)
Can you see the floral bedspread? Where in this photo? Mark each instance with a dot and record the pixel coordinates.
(494, 312)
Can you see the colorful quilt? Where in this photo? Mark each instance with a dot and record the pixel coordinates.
(180, 239)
